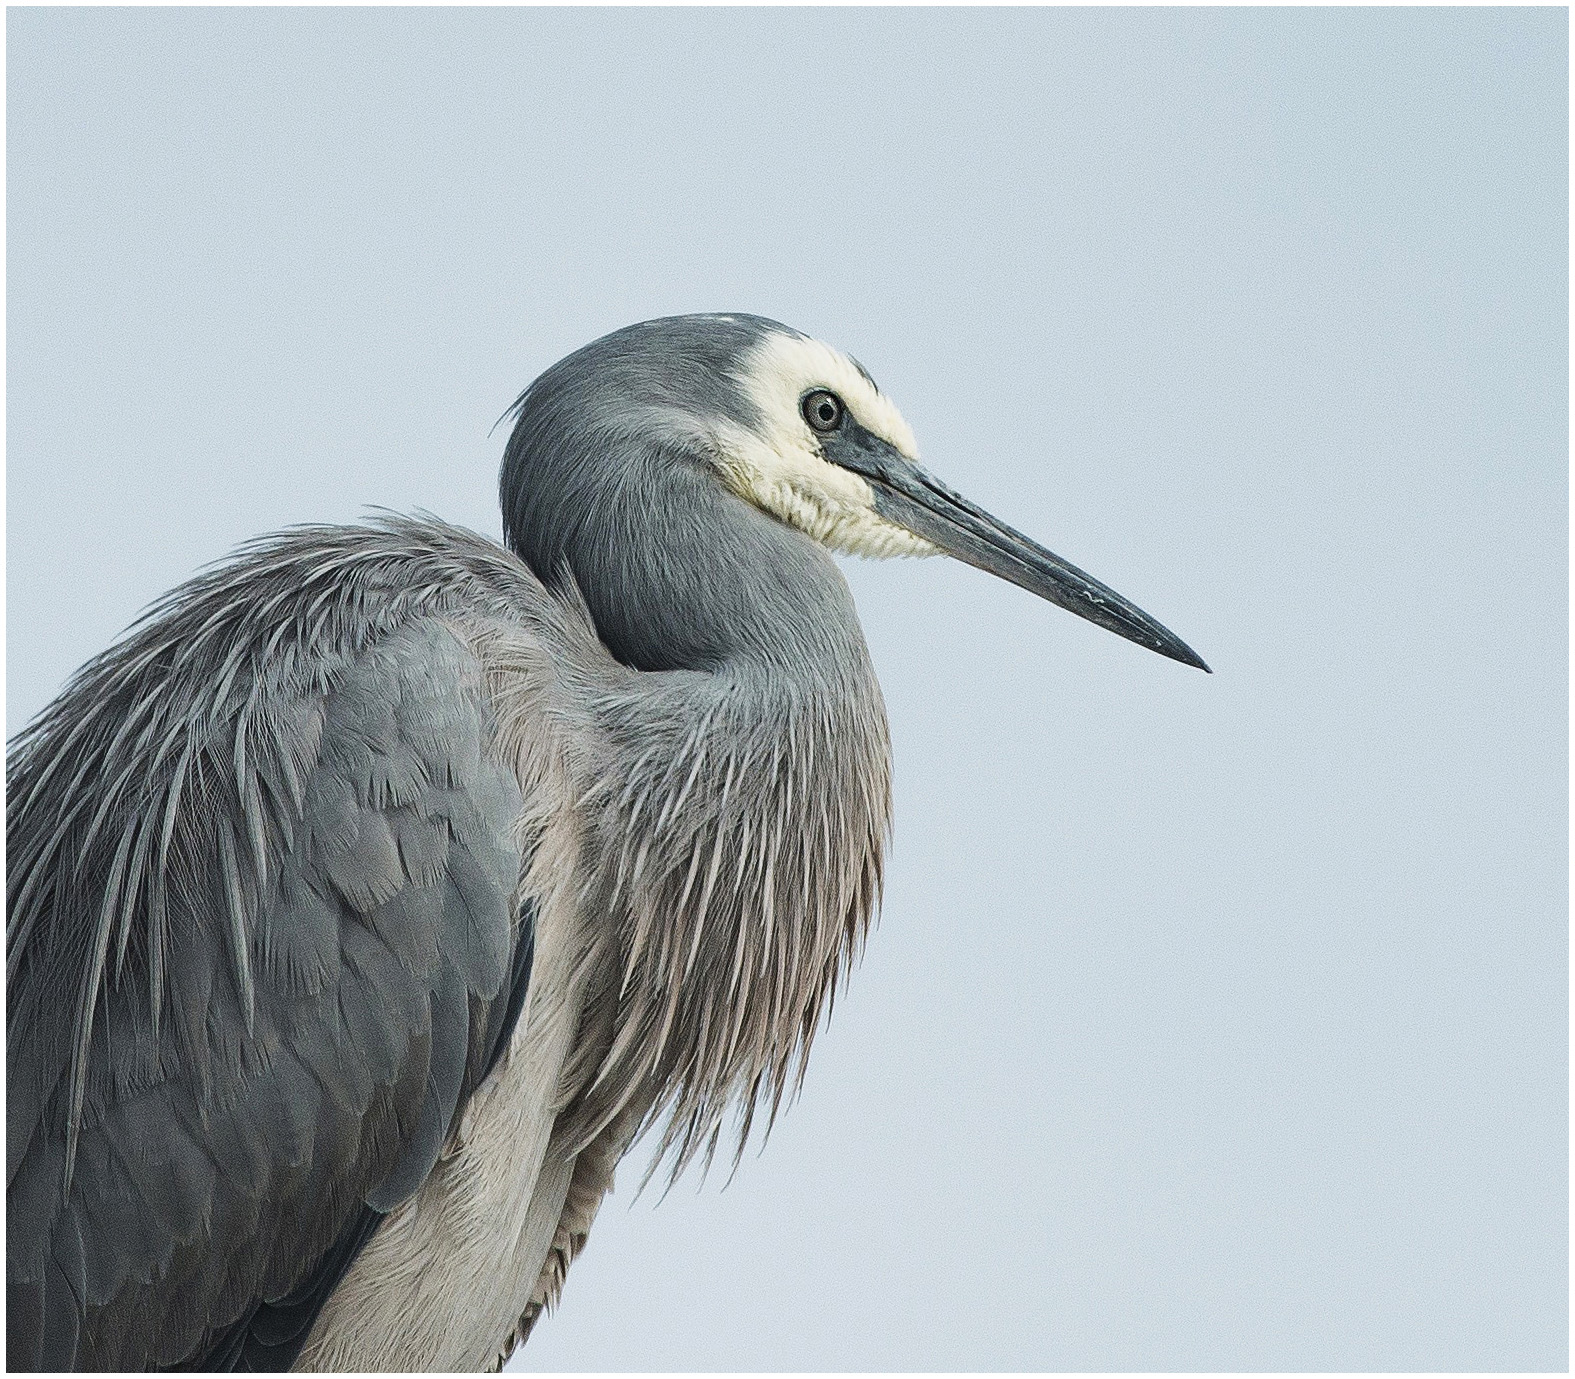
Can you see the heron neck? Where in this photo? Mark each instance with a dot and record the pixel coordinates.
(681, 574)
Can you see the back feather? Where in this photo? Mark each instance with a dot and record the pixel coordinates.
(261, 940)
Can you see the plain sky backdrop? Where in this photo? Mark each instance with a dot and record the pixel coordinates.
(1213, 1022)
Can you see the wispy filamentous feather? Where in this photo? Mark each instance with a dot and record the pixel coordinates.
(745, 895)
(126, 772)
(734, 826)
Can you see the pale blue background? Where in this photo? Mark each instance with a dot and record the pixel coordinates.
(1213, 1022)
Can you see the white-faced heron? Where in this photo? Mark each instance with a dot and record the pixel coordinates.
(372, 895)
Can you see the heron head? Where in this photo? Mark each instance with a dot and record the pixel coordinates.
(798, 429)
(829, 453)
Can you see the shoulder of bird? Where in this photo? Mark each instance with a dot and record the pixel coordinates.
(262, 928)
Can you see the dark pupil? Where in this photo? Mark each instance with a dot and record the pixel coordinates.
(826, 410)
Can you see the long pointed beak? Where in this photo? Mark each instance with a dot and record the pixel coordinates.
(915, 499)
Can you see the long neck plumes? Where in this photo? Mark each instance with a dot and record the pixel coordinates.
(742, 802)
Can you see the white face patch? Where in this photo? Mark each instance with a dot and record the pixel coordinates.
(779, 467)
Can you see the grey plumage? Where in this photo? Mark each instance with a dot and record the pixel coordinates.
(238, 987)
(280, 861)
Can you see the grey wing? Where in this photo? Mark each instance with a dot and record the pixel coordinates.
(252, 974)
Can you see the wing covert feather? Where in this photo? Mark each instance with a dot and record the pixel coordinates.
(311, 956)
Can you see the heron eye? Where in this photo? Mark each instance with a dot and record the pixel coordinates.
(822, 410)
